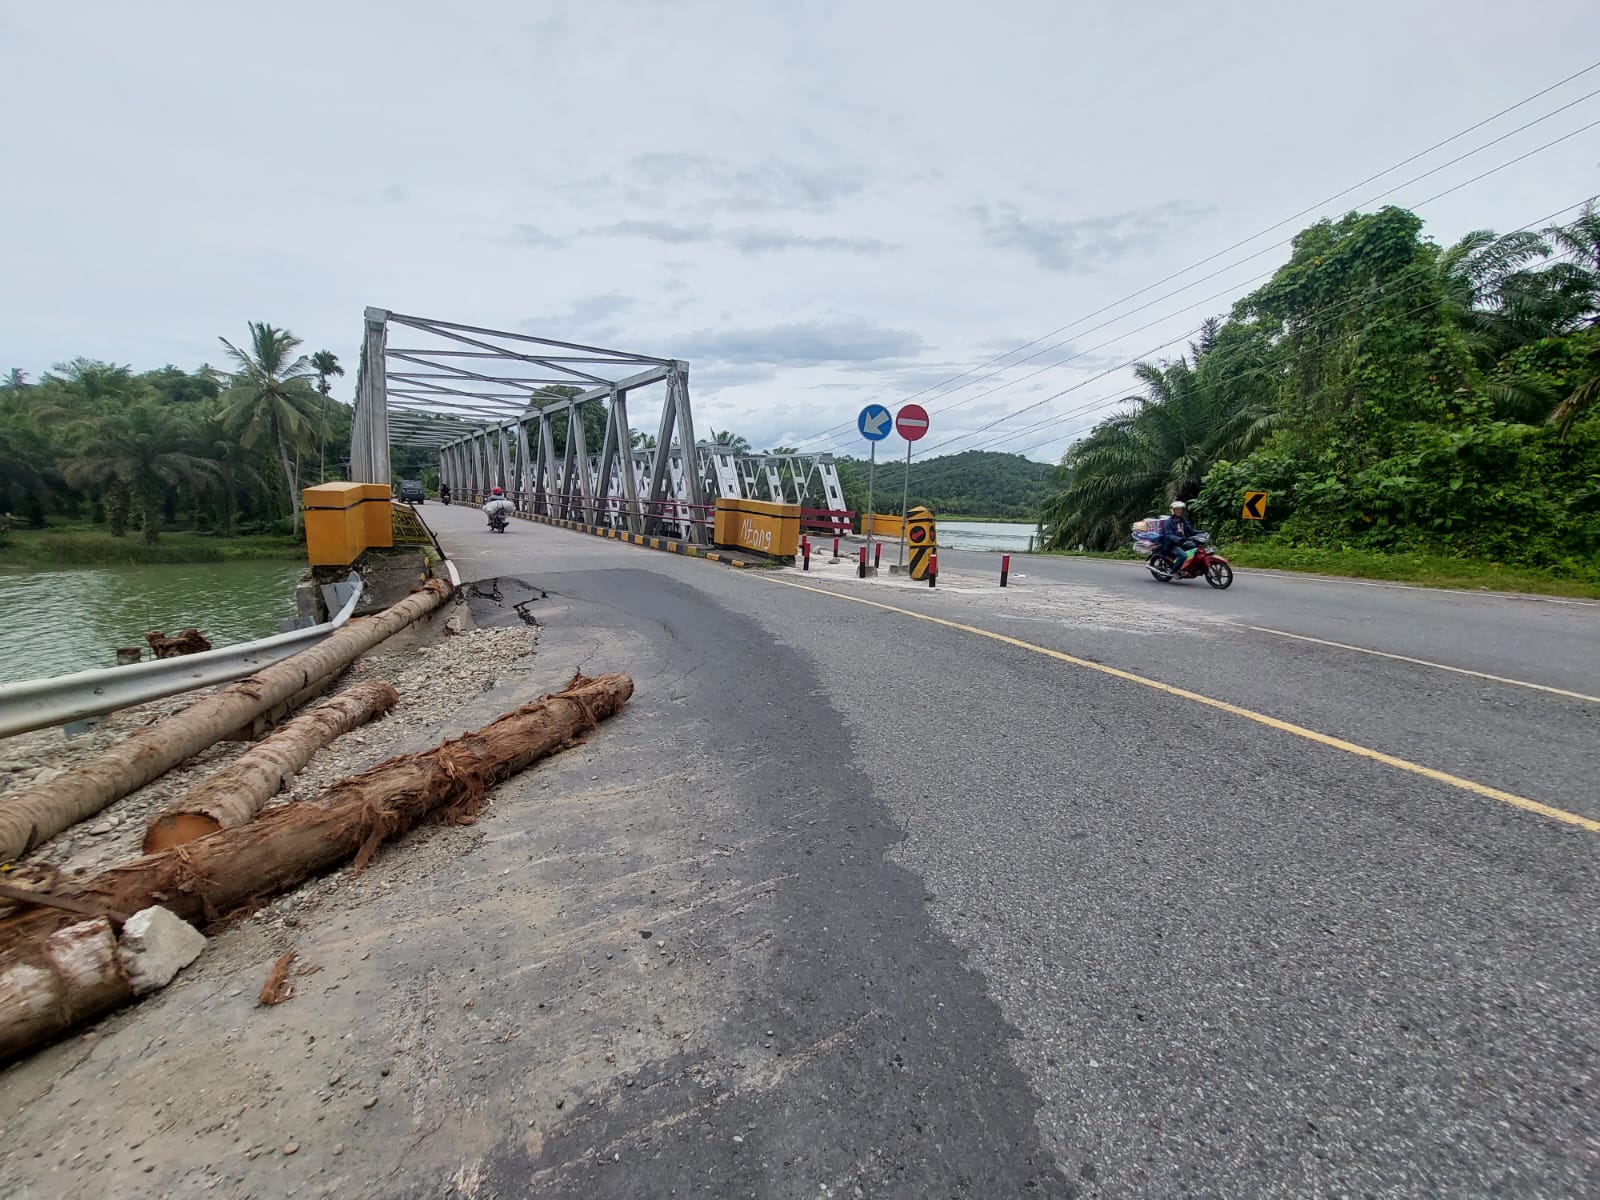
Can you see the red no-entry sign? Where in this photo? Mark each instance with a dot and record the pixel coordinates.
(911, 422)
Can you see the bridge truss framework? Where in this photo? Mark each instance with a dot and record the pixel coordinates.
(497, 406)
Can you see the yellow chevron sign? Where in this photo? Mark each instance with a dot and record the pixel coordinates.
(1255, 506)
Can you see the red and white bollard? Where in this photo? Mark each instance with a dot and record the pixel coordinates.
(933, 568)
(805, 549)
(1005, 568)
(877, 554)
(836, 549)
(861, 563)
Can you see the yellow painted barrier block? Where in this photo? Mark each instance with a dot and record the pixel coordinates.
(758, 525)
(885, 526)
(376, 515)
(335, 523)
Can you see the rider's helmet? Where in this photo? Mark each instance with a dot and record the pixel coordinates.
(497, 492)
(1179, 506)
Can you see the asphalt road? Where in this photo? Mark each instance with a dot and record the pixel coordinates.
(1093, 887)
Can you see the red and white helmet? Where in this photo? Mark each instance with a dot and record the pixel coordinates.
(497, 492)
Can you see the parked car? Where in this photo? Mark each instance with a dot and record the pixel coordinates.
(411, 491)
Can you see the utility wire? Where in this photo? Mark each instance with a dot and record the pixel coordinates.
(1325, 318)
(1245, 241)
(1419, 204)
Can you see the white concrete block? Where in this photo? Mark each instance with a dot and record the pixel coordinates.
(155, 946)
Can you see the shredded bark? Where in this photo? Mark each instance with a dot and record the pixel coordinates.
(277, 988)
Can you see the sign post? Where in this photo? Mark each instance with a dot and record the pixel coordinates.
(911, 422)
(873, 423)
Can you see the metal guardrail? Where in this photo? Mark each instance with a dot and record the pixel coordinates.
(41, 703)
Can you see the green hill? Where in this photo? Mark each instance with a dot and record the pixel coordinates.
(978, 483)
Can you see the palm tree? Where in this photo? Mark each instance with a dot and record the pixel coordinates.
(270, 396)
(1159, 451)
(1493, 290)
(134, 450)
(26, 473)
(325, 363)
(734, 443)
(1581, 240)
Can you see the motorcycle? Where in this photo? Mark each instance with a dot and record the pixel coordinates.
(444, 495)
(498, 521)
(1204, 561)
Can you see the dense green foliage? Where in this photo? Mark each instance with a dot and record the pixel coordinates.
(1388, 393)
(214, 452)
(976, 483)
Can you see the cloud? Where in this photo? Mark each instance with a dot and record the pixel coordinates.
(764, 186)
(532, 235)
(393, 193)
(762, 241)
(592, 316)
(805, 343)
(655, 231)
(746, 240)
(1082, 246)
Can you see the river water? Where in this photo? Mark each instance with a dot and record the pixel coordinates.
(75, 618)
(985, 535)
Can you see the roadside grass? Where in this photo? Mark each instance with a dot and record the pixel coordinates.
(87, 546)
(1425, 570)
(1429, 570)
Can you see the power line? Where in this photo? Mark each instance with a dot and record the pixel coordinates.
(1111, 341)
(1245, 241)
(1419, 204)
(1326, 318)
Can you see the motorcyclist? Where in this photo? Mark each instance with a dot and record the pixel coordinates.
(497, 503)
(444, 493)
(1177, 536)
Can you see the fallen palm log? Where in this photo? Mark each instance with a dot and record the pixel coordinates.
(207, 878)
(263, 723)
(72, 974)
(236, 793)
(38, 813)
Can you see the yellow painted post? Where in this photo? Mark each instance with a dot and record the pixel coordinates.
(922, 536)
(335, 523)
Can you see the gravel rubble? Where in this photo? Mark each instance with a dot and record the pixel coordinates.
(434, 669)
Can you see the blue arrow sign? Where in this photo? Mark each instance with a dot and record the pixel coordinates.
(874, 422)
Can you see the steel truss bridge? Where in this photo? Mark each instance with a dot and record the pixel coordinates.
(497, 407)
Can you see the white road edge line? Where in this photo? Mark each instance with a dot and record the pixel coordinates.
(1421, 662)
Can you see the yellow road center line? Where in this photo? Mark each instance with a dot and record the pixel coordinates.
(1422, 662)
(1300, 731)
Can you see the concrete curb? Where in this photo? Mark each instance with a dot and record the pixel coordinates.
(670, 545)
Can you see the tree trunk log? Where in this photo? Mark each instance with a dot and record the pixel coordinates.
(235, 794)
(263, 723)
(39, 813)
(284, 846)
(71, 974)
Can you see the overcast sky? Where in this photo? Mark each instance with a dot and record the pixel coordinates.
(817, 205)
